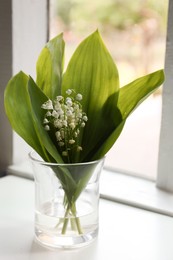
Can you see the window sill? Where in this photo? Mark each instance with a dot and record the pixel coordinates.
(122, 233)
(121, 188)
(136, 192)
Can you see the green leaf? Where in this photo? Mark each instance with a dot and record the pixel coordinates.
(92, 72)
(74, 178)
(130, 97)
(134, 93)
(83, 178)
(37, 98)
(18, 110)
(50, 67)
(66, 179)
(72, 182)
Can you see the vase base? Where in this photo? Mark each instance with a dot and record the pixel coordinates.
(64, 241)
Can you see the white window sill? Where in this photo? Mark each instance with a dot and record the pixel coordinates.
(123, 232)
(137, 192)
(118, 187)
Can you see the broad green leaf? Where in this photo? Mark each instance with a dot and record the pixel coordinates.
(66, 179)
(133, 94)
(109, 142)
(72, 182)
(50, 66)
(92, 72)
(130, 97)
(37, 98)
(74, 178)
(83, 178)
(18, 110)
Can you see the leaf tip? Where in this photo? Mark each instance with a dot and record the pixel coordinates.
(97, 32)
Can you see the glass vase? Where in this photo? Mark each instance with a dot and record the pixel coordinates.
(66, 202)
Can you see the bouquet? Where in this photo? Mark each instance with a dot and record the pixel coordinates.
(74, 116)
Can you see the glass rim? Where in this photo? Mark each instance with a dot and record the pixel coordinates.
(40, 161)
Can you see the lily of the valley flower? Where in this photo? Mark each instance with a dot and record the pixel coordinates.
(65, 119)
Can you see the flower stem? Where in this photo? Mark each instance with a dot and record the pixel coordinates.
(66, 219)
(76, 221)
(79, 228)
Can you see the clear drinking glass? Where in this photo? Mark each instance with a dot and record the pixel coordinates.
(66, 202)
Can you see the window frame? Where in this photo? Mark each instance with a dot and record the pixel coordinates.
(5, 74)
(165, 163)
(39, 36)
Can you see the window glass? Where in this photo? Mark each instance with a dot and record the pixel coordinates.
(135, 34)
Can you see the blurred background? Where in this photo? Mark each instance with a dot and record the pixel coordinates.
(135, 35)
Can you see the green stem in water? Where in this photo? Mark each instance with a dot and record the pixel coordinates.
(66, 219)
(79, 228)
(76, 220)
